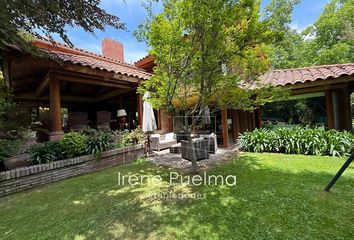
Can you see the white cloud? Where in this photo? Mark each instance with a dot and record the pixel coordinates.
(297, 27)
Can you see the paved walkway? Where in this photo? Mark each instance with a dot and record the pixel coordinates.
(172, 160)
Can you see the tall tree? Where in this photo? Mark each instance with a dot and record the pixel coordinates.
(329, 40)
(204, 50)
(283, 51)
(333, 33)
(18, 17)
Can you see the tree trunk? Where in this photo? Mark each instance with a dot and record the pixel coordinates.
(191, 153)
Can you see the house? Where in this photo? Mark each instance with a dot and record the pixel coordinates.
(335, 83)
(67, 80)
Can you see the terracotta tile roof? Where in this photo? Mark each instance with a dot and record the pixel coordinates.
(87, 59)
(306, 74)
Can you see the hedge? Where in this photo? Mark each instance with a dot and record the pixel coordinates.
(298, 140)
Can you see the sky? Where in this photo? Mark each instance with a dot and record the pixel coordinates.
(132, 14)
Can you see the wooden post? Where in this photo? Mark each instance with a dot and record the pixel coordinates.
(54, 92)
(140, 109)
(225, 132)
(329, 109)
(345, 110)
(236, 123)
(258, 117)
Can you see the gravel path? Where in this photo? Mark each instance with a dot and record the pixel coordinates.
(172, 160)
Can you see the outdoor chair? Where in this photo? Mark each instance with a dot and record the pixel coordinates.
(103, 120)
(77, 121)
(159, 142)
(211, 141)
(201, 150)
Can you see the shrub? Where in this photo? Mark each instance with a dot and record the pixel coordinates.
(9, 148)
(126, 138)
(298, 140)
(98, 143)
(136, 136)
(74, 144)
(121, 139)
(45, 153)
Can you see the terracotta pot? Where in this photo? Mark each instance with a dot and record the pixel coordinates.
(16, 162)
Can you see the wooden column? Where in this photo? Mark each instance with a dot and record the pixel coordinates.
(258, 117)
(345, 110)
(225, 132)
(54, 92)
(140, 109)
(236, 123)
(329, 109)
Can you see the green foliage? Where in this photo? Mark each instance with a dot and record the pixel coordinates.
(203, 49)
(140, 161)
(298, 140)
(74, 143)
(8, 148)
(13, 116)
(46, 153)
(329, 40)
(98, 143)
(128, 138)
(50, 17)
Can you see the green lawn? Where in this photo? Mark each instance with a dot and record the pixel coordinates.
(277, 197)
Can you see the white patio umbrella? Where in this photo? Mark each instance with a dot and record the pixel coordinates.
(149, 122)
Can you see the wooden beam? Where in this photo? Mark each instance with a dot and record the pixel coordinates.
(64, 98)
(225, 132)
(258, 117)
(329, 110)
(318, 89)
(6, 73)
(98, 82)
(345, 110)
(317, 83)
(111, 94)
(93, 74)
(236, 124)
(140, 110)
(26, 80)
(55, 106)
(43, 84)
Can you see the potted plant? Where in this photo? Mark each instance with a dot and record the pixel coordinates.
(12, 154)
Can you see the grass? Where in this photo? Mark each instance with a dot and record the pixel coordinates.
(277, 197)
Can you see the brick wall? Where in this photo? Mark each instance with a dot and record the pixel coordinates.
(20, 179)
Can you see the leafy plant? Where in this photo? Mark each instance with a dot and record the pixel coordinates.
(74, 143)
(121, 139)
(45, 153)
(126, 138)
(8, 148)
(98, 143)
(298, 140)
(140, 161)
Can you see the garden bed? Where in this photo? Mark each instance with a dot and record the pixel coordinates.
(33, 176)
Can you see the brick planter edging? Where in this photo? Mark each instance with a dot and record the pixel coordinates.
(33, 176)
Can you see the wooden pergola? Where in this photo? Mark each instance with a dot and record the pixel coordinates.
(71, 77)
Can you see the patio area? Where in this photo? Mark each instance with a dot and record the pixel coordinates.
(175, 160)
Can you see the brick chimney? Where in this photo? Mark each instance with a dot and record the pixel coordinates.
(112, 49)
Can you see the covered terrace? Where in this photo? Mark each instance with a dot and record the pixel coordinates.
(330, 84)
(68, 80)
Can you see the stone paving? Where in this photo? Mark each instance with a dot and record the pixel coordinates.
(172, 160)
